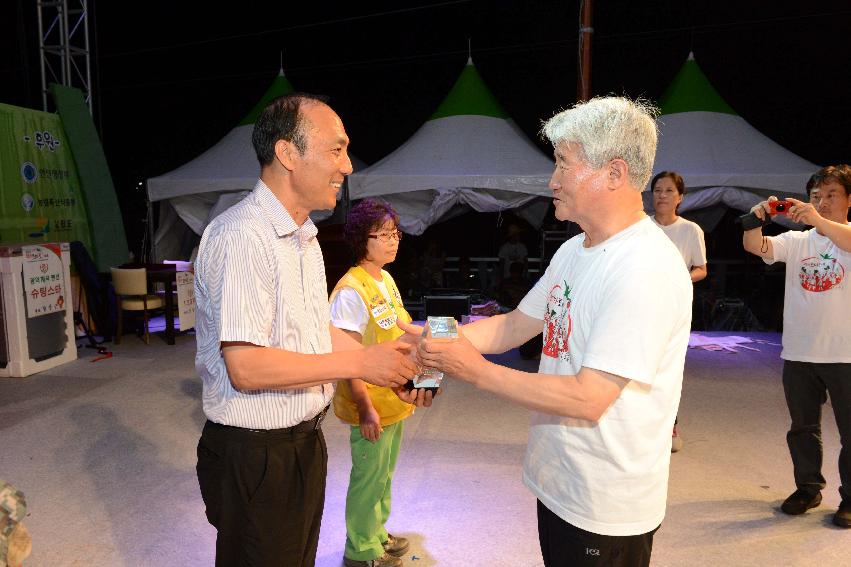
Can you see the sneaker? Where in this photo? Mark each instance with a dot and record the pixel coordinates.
(800, 501)
(676, 440)
(396, 546)
(383, 561)
(842, 518)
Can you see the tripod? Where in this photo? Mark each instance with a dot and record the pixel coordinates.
(93, 343)
(78, 320)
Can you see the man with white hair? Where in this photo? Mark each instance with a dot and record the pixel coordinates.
(615, 309)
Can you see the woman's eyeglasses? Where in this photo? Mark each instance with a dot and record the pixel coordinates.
(387, 236)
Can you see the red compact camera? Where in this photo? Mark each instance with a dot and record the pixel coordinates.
(779, 207)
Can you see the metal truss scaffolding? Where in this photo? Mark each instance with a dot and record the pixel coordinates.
(63, 31)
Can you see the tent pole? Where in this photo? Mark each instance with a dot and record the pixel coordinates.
(586, 33)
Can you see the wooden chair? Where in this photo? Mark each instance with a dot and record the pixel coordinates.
(131, 288)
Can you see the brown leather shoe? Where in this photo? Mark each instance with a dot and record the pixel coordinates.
(842, 518)
(800, 501)
(396, 546)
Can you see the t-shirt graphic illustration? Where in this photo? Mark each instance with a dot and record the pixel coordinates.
(821, 273)
(557, 322)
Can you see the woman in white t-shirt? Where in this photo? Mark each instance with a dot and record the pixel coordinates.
(668, 190)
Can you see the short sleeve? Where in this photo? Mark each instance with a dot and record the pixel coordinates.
(779, 248)
(534, 304)
(348, 311)
(241, 283)
(699, 247)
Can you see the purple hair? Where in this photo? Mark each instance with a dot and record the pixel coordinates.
(364, 218)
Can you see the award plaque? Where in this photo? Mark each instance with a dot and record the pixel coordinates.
(436, 328)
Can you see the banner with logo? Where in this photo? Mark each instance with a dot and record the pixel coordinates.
(40, 197)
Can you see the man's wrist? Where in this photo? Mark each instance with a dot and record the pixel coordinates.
(355, 366)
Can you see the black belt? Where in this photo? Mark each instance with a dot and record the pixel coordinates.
(306, 426)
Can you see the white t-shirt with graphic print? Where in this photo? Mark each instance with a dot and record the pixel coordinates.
(623, 307)
(817, 302)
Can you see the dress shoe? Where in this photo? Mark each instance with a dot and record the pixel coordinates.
(800, 501)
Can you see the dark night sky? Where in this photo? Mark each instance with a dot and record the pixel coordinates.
(171, 81)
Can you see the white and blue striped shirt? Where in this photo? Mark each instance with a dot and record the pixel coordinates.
(259, 278)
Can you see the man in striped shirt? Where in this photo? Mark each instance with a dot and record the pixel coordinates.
(267, 354)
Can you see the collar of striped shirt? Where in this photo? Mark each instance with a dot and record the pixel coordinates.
(280, 218)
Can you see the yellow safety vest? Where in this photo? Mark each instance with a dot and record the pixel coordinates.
(380, 328)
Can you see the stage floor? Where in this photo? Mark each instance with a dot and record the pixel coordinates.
(105, 453)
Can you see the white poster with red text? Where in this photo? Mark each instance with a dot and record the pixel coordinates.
(44, 279)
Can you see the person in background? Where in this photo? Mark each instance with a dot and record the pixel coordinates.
(366, 304)
(512, 250)
(464, 278)
(432, 263)
(668, 190)
(816, 331)
(509, 294)
(267, 354)
(514, 288)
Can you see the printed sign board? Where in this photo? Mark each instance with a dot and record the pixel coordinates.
(186, 299)
(44, 280)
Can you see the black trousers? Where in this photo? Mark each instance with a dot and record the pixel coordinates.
(565, 545)
(807, 385)
(264, 493)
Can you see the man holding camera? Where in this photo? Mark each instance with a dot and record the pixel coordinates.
(816, 332)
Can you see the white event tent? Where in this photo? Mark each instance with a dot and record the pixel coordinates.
(723, 159)
(196, 192)
(469, 154)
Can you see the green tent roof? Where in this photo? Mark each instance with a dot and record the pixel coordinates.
(470, 95)
(280, 87)
(691, 91)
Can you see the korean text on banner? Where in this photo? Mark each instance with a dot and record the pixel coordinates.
(44, 280)
(40, 197)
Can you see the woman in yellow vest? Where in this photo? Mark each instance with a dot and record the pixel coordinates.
(366, 304)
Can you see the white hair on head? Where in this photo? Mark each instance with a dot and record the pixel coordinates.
(607, 128)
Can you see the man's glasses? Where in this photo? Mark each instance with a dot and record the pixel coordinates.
(387, 236)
